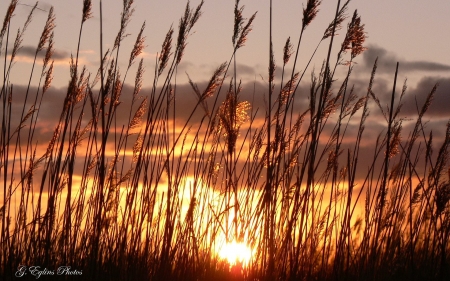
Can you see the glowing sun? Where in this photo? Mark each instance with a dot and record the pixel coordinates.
(235, 252)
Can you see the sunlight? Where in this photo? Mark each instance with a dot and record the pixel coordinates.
(236, 252)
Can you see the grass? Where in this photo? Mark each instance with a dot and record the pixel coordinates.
(129, 189)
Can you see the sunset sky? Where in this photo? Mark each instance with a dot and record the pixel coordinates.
(170, 170)
(410, 32)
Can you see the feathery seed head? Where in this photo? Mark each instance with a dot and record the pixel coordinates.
(194, 87)
(289, 88)
(127, 13)
(49, 52)
(137, 147)
(48, 30)
(87, 10)
(396, 138)
(81, 86)
(138, 115)
(336, 22)
(238, 21)
(287, 51)
(29, 18)
(21, 32)
(355, 36)
(196, 15)
(186, 23)
(358, 105)
(245, 31)
(181, 40)
(183, 32)
(48, 78)
(109, 79)
(9, 14)
(428, 100)
(138, 46)
(138, 79)
(232, 114)
(271, 64)
(165, 51)
(117, 90)
(214, 82)
(330, 107)
(17, 43)
(310, 12)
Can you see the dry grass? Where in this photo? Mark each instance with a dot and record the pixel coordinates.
(145, 198)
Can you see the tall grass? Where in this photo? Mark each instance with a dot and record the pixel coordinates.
(155, 194)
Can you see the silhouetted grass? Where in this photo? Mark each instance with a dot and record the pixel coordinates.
(154, 195)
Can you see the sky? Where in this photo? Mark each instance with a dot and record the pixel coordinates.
(412, 33)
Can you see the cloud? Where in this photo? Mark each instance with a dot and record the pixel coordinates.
(440, 104)
(256, 92)
(415, 96)
(388, 60)
(243, 69)
(88, 52)
(28, 52)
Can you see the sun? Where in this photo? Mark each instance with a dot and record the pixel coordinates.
(235, 252)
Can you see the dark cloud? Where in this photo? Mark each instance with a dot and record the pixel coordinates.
(185, 66)
(30, 51)
(256, 92)
(440, 104)
(387, 61)
(243, 69)
(414, 97)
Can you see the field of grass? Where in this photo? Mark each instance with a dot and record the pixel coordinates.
(127, 188)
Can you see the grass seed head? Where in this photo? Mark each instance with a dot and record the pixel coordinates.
(196, 15)
(337, 21)
(360, 103)
(127, 13)
(238, 21)
(49, 52)
(287, 51)
(9, 14)
(87, 10)
(396, 138)
(245, 31)
(272, 65)
(20, 32)
(134, 123)
(355, 36)
(48, 78)
(289, 88)
(48, 30)
(310, 12)
(137, 147)
(138, 79)
(138, 46)
(215, 81)
(165, 51)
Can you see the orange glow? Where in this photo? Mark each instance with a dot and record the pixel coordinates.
(235, 252)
